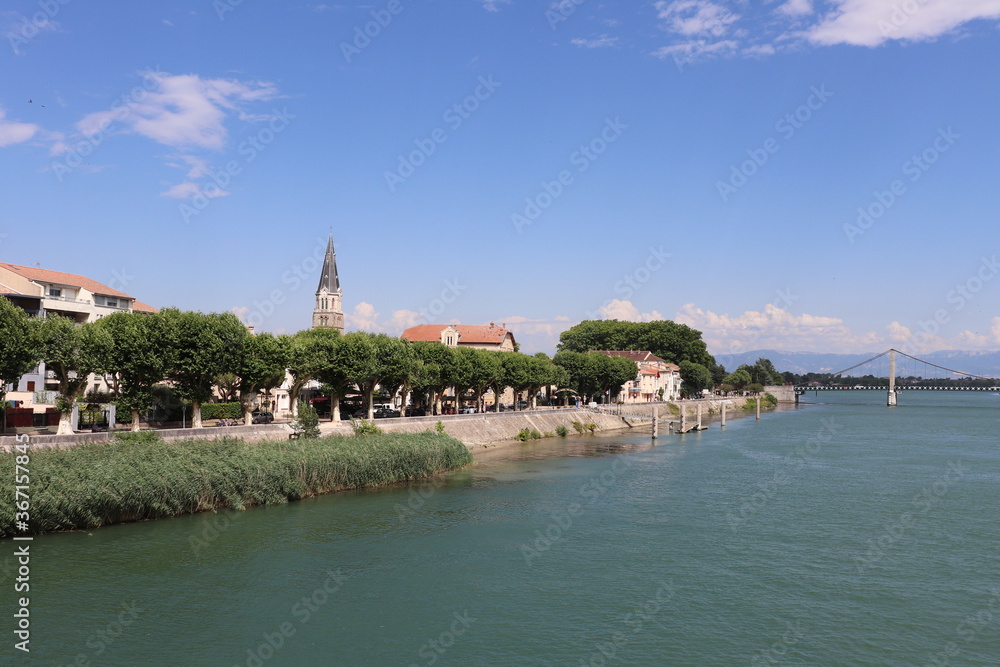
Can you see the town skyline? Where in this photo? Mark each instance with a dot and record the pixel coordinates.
(741, 170)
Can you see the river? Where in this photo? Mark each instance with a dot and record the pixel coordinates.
(838, 533)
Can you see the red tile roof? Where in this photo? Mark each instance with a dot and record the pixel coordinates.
(469, 334)
(479, 334)
(634, 355)
(424, 332)
(59, 278)
(140, 307)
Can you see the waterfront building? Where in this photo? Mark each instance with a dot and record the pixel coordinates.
(43, 292)
(328, 312)
(653, 374)
(482, 337)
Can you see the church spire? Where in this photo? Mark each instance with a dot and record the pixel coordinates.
(329, 310)
(328, 278)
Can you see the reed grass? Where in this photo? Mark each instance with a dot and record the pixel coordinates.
(93, 485)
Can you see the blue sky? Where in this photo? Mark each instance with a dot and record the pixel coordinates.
(794, 175)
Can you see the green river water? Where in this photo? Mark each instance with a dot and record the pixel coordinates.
(838, 533)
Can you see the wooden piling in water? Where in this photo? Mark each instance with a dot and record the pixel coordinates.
(699, 417)
(656, 422)
(724, 414)
(683, 419)
(758, 408)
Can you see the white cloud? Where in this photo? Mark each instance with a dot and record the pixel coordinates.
(182, 111)
(603, 41)
(491, 5)
(695, 17)
(703, 29)
(190, 190)
(13, 132)
(366, 318)
(616, 309)
(796, 8)
(872, 22)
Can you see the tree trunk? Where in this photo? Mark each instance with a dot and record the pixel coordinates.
(369, 393)
(247, 414)
(335, 408)
(65, 427)
(195, 414)
(135, 421)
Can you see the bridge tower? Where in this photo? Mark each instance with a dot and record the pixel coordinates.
(891, 400)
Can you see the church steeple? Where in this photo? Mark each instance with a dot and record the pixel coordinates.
(329, 311)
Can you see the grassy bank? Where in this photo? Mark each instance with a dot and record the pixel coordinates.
(94, 485)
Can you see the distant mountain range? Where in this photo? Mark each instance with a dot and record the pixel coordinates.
(977, 363)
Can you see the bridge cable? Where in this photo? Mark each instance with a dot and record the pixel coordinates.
(950, 370)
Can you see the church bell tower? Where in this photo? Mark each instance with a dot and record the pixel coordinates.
(329, 310)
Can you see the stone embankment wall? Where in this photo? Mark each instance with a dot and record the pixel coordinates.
(252, 433)
(473, 430)
(479, 430)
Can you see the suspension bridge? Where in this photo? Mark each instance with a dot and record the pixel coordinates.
(892, 387)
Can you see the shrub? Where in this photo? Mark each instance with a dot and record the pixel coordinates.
(523, 435)
(590, 426)
(138, 438)
(578, 426)
(365, 427)
(562, 431)
(439, 427)
(220, 411)
(307, 424)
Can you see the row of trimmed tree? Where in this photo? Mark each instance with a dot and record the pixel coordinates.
(196, 353)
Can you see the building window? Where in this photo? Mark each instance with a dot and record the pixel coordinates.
(55, 291)
(112, 303)
(31, 385)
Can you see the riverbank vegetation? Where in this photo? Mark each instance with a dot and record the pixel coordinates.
(140, 477)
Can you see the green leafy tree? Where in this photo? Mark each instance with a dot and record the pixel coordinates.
(438, 371)
(739, 378)
(201, 348)
(136, 358)
(72, 352)
(694, 378)
(515, 372)
(262, 364)
(20, 345)
(666, 339)
(311, 355)
(369, 358)
(484, 369)
(307, 423)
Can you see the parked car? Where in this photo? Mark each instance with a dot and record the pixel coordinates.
(467, 410)
(385, 412)
(261, 417)
(415, 412)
